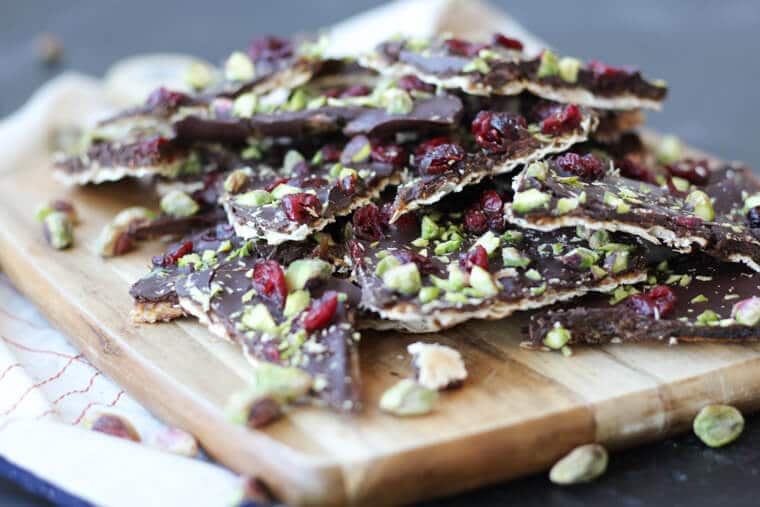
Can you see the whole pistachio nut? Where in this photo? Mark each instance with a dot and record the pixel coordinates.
(583, 464)
(57, 205)
(178, 204)
(114, 241)
(718, 425)
(112, 424)
(396, 101)
(235, 181)
(253, 407)
(747, 311)
(408, 398)
(58, 230)
(128, 216)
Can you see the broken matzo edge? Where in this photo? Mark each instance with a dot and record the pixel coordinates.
(499, 68)
(587, 190)
(430, 271)
(689, 298)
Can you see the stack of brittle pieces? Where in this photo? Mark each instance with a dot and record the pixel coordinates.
(415, 188)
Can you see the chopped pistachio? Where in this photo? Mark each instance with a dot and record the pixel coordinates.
(580, 257)
(449, 246)
(300, 271)
(258, 318)
(702, 205)
(477, 65)
(244, 105)
(538, 290)
(405, 279)
(239, 67)
(662, 266)
(583, 464)
(428, 294)
(512, 236)
(598, 239)
(718, 425)
(612, 200)
(297, 101)
(512, 258)
(58, 229)
(685, 280)
(128, 216)
(408, 398)
(483, 282)
(396, 101)
(622, 292)
(284, 189)
(701, 298)
(532, 274)
(566, 205)
(178, 204)
(751, 202)
(557, 337)
(455, 281)
(316, 103)
(670, 150)
(707, 317)
(292, 158)
(417, 45)
(224, 246)
(429, 228)
(549, 65)
(568, 69)
(296, 302)
(747, 311)
(616, 262)
(258, 197)
(489, 241)
(537, 170)
(199, 75)
(529, 200)
(385, 264)
(192, 259)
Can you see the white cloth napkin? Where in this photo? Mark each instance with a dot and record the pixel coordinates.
(47, 388)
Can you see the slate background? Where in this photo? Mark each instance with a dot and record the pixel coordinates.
(706, 49)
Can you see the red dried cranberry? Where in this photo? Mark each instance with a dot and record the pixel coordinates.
(357, 90)
(428, 145)
(463, 48)
(392, 154)
(602, 70)
(411, 82)
(440, 159)
(330, 153)
(491, 203)
(753, 217)
(424, 264)
(301, 207)
(587, 166)
(332, 93)
(408, 222)
(269, 280)
(163, 97)
(507, 42)
(543, 109)
(688, 222)
(270, 47)
(153, 147)
(493, 131)
(475, 257)
(496, 222)
(321, 312)
(694, 171)
(664, 299)
(563, 121)
(631, 169)
(173, 254)
(475, 221)
(368, 223)
(274, 184)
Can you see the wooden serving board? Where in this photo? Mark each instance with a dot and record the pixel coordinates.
(517, 413)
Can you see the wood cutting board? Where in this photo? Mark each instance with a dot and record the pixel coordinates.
(518, 412)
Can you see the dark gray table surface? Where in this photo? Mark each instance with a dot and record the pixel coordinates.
(706, 49)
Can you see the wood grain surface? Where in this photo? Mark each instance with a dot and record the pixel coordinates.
(517, 413)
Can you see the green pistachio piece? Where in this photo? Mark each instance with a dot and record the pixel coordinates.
(512, 236)
(396, 101)
(623, 207)
(747, 311)
(128, 216)
(236, 180)
(529, 200)
(537, 291)
(534, 275)
(616, 262)
(537, 170)
(428, 294)
(296, 302)
(449, 246)
(208, 256)
(42, 211)
(316, 103)
(408, 398)
(513, 258)
(58, 229)
(239, 67)
(566, 205)
(583, 464)
(483, 282)
(285, 383)
(252, 407)
(258, 197)
(598, 272)
(681, 184)
(598, 239)
(706, 317)
(292, 158)
(457, 297)
(347, 172)
(224, 246)
(580, 257)
(702, 205)
(456, 280)
(549, 65)
(751, 202)
(258, 318)
(489, 241)
(557, 337)
(670, 150)
(188, 260)
(612, 200)
(420, 242)
(199, 75)
(300, 271)
(701, 298)
(718, 425)
(568, 69)
(417, 44)
(405, 279)
(297, 101)
(178, 204)
(385, 264)
(284, 189)
(477, 65)
(429, 228)
(244, 105)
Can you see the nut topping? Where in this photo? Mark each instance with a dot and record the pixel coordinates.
(438, 366)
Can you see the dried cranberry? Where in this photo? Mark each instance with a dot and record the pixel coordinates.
(408, 222)
(357, 90)
(463, 48)
(475, 257)
(411, 82)
(153, 147)
(163, 97)
(664, 299)
(428, 145)
(493, 131)
(269, 280)
(688, 222)
(392, 154)
(274, 184)
(424, 264)
(475, 221)
(332, 93)
(321, 312)
(602, 70)
(301, 207)
(368, 223)
(270, 47)
(496, 222)
(563, 121)
(440, 158)
(491, 203)
(173, 254)
(753, 217)
(587, 166)
(694, 171)
(507, 42)
(543, 109)
(330, 153)
(631, 169)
